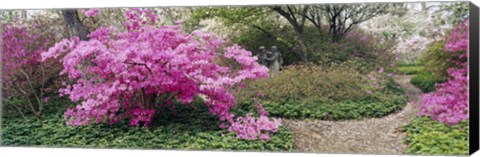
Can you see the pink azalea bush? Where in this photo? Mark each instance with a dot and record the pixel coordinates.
(449, 102)
(19, 49)
(129, 74)
(23, 74)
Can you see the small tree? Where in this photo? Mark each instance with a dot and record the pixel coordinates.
(24, 76)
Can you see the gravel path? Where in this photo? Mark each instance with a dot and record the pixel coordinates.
(367, 136)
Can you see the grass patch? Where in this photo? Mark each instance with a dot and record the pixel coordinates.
(428, 137)
(192, 128)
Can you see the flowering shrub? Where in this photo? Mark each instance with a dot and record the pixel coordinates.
(449, 102)
(23, 75)
(128, 75)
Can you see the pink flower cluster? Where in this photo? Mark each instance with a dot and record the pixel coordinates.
(129, 75)
(141, 115)
(449, 102)
(458, 39)
(251, 128)
(92, 12)
(20, 49)
(21, 65)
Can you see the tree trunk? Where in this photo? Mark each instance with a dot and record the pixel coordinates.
(74, 24)
(298, 27)
(424, 8)
(303, 47)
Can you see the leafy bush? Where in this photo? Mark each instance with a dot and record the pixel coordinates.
(429, 137)
(425, 81)
(357, 44)
(186, 127)
(314, 92)
(436, 59)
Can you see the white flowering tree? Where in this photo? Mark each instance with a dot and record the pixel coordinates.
(413, 27)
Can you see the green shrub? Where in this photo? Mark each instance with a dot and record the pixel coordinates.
(428, 137)
(425, 81)
(191, 128)
(313, 92)
(436, 60)
(357, 44)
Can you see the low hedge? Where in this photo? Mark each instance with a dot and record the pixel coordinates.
(392, 101)
(191, 128)
(426, 81)
(428, 137)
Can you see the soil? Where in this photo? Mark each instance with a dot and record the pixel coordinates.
(366, 136)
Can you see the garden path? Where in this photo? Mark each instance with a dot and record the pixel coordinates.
(367, 136)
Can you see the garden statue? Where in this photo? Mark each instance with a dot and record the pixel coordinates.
(261, 56)
(280, 57)
(273, 60)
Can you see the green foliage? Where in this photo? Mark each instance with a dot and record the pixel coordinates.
(355, 45)
(16, 107)
(189, 127)
(428, 137)
(425, 81)
(231, 15)
(436, 60)
(313, 92)
(282, 37)
(261, 26)
(459, 11)
(251, 27)
(335, 111)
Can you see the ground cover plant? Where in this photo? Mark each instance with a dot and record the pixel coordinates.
(187, 128)
(430, 137)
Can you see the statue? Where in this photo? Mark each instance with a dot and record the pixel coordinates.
(262, 56)
(280, 57)
(272, 59)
